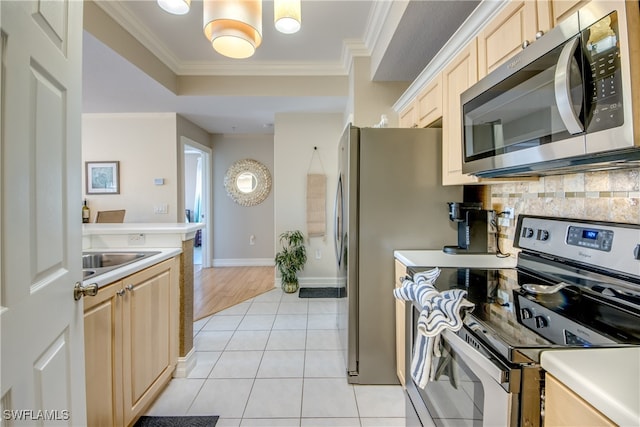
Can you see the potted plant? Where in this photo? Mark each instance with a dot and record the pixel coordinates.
(291, 259)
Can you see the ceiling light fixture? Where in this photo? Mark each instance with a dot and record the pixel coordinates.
(176, 7)
(287, 16)
(233, 27)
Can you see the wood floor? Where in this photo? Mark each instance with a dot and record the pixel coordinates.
(221, 287)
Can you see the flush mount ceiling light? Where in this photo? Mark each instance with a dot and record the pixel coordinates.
(176, 7)
(233, 27)
(287, 16)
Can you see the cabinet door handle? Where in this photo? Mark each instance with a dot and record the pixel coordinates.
(130, 288)
(120, 292)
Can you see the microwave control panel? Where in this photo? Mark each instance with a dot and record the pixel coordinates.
(602, 52)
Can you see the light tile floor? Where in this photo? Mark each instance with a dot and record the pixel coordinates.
(276, 360)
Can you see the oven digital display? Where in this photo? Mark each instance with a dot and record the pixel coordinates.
(593, 238)
(573, 339)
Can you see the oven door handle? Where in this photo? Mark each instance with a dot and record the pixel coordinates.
(562, 86)
(497, 373)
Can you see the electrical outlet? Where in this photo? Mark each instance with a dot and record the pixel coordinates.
(252, 240)
(136, 239)
(318, 254)
(510, 212)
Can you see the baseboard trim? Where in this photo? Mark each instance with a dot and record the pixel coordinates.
(315, 282)
(243, 262)
(185, 364)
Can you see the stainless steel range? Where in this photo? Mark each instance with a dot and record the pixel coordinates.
(576, 284)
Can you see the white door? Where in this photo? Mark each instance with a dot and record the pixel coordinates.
(42, 346)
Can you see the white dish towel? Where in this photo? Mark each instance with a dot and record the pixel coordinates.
(440, 311)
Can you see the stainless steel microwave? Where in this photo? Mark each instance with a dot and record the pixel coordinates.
(566, 103)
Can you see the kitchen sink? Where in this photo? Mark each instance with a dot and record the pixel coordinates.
(95, 263)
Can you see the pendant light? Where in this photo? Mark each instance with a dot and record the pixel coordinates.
(287, 16)
(176, 7)
(233, 27)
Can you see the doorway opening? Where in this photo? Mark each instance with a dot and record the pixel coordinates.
(196, 167)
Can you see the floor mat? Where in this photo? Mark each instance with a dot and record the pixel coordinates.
(322, 293)
(184, 421)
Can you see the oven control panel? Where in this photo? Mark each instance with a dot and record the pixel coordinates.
(604, 245)
(590, 237)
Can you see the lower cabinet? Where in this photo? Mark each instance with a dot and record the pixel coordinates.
(563, 407)
(400, 273)
(131, 343)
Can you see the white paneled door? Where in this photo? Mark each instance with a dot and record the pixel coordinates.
(42, 362)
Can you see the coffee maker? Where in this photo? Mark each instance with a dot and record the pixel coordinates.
(476, 229)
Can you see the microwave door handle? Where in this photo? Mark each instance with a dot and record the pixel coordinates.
(562, 85)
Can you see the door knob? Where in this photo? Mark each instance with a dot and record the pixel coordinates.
(80, 291)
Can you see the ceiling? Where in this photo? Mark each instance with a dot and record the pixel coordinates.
(400, 36)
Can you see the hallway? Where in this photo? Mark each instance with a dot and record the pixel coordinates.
(276, 360)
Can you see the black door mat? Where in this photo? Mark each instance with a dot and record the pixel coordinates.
(322, 293)
(184, 421)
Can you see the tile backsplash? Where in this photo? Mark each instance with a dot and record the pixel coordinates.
(604, 196)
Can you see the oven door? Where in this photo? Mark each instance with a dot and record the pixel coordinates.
(469, 388)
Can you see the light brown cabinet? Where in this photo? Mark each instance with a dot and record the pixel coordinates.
(409, 116)
(458, 75)
(503, 37)
(429, 102)
(563, 407)
(561, 9)
(131, 334)
(401, 272)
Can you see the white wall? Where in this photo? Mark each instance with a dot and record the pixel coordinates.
(295, 136)
(233, 224)
(368, 100)
(145, 146)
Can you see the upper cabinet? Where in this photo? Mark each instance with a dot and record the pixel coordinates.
(561, 9)
(426, 108)
(491, 38)
(458, 76)
(409, 116)
(429, 102)
(515, 26)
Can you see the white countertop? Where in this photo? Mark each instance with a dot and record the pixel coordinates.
(437, 258)
(126, 270)
(141, 227)
(607, 378)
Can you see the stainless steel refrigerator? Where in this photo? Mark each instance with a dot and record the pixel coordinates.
(389, 197)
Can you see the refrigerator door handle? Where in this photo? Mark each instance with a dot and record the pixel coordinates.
(337, 221)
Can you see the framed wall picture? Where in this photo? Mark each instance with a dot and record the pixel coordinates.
(103, 177)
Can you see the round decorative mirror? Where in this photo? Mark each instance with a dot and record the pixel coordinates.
(248, 182)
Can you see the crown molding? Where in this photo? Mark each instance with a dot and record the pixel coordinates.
(351, 48)
(262, 69)
(469, 29)
(140, 32)
(377, 19)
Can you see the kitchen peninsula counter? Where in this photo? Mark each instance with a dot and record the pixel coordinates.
(137, 234)
(437, 258)
(607, 378)
(132, 236)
